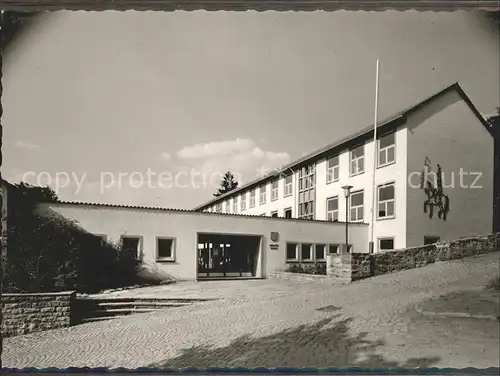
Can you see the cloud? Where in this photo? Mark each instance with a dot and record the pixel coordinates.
(215, 149)
(27, 145)
(241, 156)
(166, 156)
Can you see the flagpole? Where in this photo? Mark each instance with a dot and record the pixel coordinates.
(375, 159)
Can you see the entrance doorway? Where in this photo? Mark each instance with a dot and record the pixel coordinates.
(227, 256)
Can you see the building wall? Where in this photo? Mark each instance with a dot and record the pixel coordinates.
(396, 172)
(184, 226)
(269, 206)
(389, 228)
(448, 133)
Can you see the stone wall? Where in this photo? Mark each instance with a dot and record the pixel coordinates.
(27, 313)
(351, 267)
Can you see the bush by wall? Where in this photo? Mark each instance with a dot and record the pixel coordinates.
(318, 268)
(50, 254)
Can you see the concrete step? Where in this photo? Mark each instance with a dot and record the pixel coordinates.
(142, 304)
(142, 300)
(97, 319)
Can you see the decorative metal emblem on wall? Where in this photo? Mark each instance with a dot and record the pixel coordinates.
(275, 237)
(433, 189)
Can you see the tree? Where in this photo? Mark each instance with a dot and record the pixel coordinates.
(48, 252)
(227, 183)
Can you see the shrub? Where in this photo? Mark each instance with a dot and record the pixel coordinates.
(494, 283)
(318, 268)
(48, 253)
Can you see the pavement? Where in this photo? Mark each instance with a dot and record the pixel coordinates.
(369, 323)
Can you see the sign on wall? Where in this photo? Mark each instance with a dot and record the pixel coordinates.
(275, 237)
(432, 185)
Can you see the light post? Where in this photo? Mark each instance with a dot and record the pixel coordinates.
(347, 193)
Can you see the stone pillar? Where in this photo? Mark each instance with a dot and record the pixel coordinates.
(329, 264)
(341, 267)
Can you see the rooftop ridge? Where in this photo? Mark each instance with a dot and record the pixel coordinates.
(395, 120)
(118, 206)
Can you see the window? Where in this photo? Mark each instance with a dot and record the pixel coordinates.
(430, 239)
(292, 251)
(306, 252)
(165, 249)
(274, 190)
(306, 192)
(218, 207)
(332, 209)
(333, 248)
(274, 214)
(131, 244)
(386, 150)
(243, 202)
(229, 205)
(332, 172)
(357, 160)
(386, 201)
(287, 213)
(235, 205)
(288, 185)
(262, 197)
(102, 237)
(252, 198)
(385, 244)
(356, 211)
(320, 252)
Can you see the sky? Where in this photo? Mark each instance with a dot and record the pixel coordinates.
(150, 108)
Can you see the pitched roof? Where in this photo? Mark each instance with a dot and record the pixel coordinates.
(158, 209)
(387, 125)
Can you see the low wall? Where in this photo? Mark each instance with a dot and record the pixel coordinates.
(28, 313)
(287, 276)
(351, 267)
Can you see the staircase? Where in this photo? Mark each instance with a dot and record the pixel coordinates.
(91, 310)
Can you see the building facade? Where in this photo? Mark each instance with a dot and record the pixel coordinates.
(189, 245)
(429, 174)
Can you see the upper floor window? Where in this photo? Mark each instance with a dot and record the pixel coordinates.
(386, 198)
(262, 197)
(252, 198)
(235, 205)
(332, 172)
(358, 160)
(288, 185)
(218, 207)
(332, 209)
(274, 190)
(306, 178)
(386, 150)
(357, 203)
(243, 203)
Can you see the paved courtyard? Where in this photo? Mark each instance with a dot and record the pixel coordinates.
(275, 323)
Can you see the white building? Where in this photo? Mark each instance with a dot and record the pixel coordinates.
(413, 206)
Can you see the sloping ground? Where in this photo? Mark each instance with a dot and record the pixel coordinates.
(244, 289)
(368, 323)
